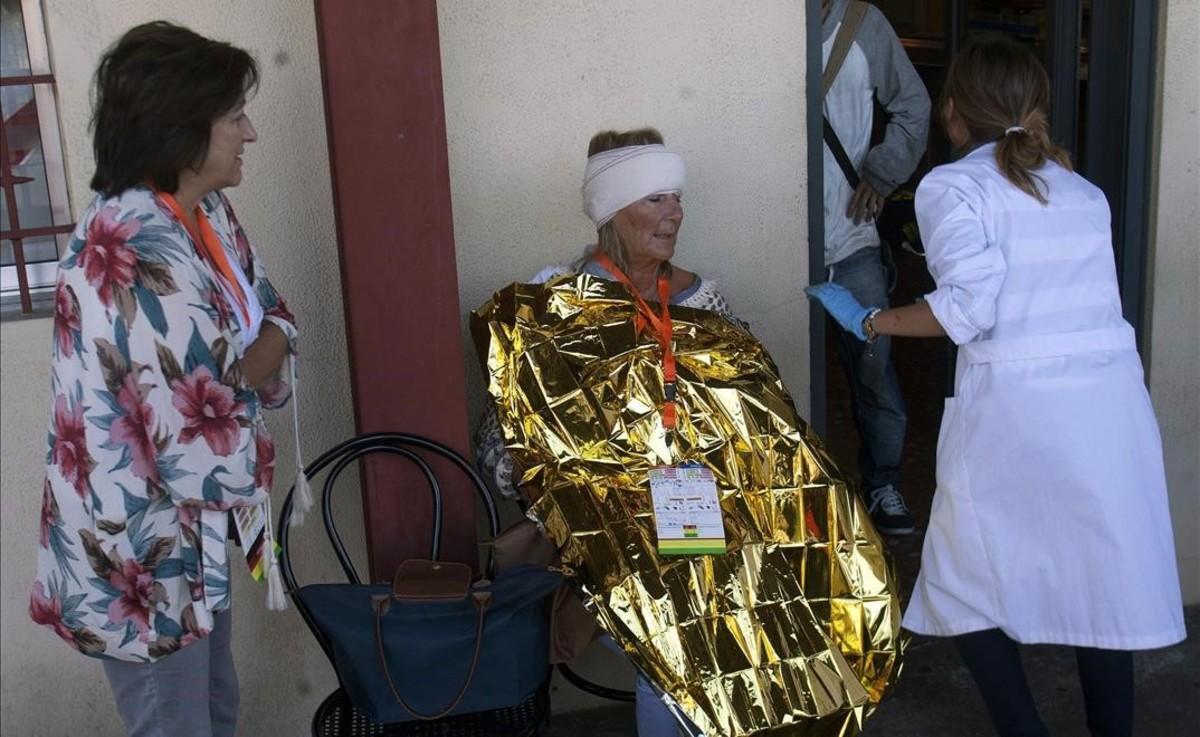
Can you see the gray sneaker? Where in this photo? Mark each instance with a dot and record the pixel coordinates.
(889, 512)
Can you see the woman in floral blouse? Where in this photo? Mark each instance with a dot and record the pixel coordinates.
(169, 341)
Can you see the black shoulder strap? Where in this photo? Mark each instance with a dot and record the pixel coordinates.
(839, 153)
(853, 18)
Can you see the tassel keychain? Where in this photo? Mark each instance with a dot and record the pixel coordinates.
(303, 499)
(276, 601)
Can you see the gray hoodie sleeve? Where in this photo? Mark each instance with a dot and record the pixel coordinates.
(903, 95)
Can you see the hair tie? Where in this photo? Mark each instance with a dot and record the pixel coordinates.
(1014, 129)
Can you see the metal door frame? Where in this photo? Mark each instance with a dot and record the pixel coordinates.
(1120, 119)
(816, 214)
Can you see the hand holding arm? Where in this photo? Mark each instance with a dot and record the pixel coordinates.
(264, 357)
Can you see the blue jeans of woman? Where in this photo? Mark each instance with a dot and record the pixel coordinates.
(192, 692)
(654, 719)
(879, 413)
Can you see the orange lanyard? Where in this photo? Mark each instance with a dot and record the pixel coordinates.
(662, 325)
(207, 242)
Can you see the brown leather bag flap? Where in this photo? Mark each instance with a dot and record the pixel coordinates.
(431, 580)
(572, 626)
(522, 544)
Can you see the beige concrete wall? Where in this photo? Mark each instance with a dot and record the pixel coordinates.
(527, 84)
(286, 206)
(1174, 355)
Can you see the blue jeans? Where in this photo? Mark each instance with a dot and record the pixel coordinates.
(192, 692)
(654, 719)
(879, 413)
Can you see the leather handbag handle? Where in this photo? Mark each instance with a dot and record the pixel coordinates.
(483, 600)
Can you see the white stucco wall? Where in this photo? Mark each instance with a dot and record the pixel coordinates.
(527, 84)
(1174, 357)
(286, 206)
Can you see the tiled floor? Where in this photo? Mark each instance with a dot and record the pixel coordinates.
(936, 697)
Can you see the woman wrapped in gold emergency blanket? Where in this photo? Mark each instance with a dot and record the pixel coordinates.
(795, 630)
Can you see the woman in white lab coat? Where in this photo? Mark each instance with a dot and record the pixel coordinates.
(1050, 522)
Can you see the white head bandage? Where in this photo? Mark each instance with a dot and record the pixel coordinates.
(619, 177)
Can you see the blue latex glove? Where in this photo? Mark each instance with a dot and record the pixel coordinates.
(841, 306)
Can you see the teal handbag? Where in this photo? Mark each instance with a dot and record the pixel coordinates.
(433, 643)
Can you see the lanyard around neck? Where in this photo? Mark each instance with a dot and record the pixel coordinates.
(662, 326)
(210, 247)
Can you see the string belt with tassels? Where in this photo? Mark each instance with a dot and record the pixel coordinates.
(302, 501)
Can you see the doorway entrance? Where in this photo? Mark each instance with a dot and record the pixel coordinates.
(1100, 60)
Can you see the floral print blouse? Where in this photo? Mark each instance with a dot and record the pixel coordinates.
(154, 435)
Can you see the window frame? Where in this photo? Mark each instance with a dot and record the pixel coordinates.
(36, 277)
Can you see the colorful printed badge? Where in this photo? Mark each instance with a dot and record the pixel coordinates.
(687, 511)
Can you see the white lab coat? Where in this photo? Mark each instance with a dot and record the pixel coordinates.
(1050, 519)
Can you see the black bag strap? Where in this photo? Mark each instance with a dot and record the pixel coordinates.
(839, 153)
(855, 13)
(342, 455)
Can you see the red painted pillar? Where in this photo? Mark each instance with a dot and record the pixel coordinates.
(381, 69)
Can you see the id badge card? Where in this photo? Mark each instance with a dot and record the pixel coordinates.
(687, 511)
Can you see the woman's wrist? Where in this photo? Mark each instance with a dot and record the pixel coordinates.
(870, 332)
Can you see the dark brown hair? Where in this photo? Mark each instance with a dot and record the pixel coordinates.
(997, 84)
(157, 92)
(608, 241)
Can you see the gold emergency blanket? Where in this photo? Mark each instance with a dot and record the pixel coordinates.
(796, 629)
